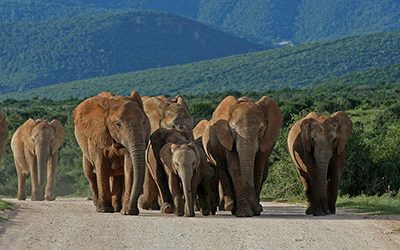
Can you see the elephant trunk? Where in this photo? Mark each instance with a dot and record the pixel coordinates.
(188, 193)
(322, 163)
(247, 154)
(42, 158)
(136, 150)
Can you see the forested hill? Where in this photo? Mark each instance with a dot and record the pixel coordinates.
(258, 21)
(34, 54)
(362, 59)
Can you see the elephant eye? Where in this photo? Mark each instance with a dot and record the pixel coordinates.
(118, 124)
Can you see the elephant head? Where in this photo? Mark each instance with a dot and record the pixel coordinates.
(184, 161)
(323, 139)
(166, 113)
(43, 140)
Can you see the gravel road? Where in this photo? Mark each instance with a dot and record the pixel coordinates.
(74, 224)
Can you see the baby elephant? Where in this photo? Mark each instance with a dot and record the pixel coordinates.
(35, 145)
(317, 147)
(182, 164)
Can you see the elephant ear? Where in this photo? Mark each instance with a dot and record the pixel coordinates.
(223, 110)
(346, 126)
(26, 132)
(305, 134)
(165, 155)
(59, 133)
(274, 119)
(180, 100)
(90, 119)
(224, 134)
(158, 140)
(198, 153)
(136, 97)
(199, 129)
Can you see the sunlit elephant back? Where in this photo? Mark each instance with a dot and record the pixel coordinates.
(35, 146)
(164, 113)
(317, 147)
(239, 140)
(105, 125)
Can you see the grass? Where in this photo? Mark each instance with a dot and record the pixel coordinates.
(4, 205)
(379, 205)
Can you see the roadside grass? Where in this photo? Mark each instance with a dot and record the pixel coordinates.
(379, 205)
(4, 205)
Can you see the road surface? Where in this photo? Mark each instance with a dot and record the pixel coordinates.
(74, 224)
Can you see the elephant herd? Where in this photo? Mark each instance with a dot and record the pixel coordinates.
(146, 151)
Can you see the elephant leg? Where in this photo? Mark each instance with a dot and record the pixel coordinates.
(117, 183)
(176, 194)
(21, 185)
(334, 171)
(307, 188)
(37, 194)
(51, 175)
(226, 192)
(260, 175)
(203, 201)
(103, 184)
(243, 207)
(149, 199)
(92, 179)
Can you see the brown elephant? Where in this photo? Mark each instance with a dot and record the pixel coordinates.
(317, 147)
(239, 140)
(185, 165)
(164, 113)
(35, 145)
(3, 133)
(113, 131)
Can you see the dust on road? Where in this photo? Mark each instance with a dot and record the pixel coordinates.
(74, 224)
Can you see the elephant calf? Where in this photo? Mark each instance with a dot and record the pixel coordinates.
(35, 145)
(317, 147)
(180, 168)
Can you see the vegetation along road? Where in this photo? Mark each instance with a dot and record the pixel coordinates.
(73, 224)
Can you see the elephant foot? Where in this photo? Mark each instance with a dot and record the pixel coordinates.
(117, 208)
(145, 203)
(189, 213)
(166, 208)
(309, 210)
(244, 211)
(130, 211)
(21, 197)
(228, 203)
(155, 206)
(333, 210)
(105, 208)
(205, 212)
(50, 197)
(320, 212)
(257, 209)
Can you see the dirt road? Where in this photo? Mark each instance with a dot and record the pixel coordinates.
(74, 224)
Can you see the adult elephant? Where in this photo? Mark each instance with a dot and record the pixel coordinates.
(111, 130)
(3, 133)
(35, 145)
(317, 147)
(239, 139)
(170, 114)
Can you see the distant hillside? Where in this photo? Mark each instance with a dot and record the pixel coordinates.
(35, 54)
(357, 60)
(258, 21)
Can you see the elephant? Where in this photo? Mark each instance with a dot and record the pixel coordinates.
(3, 133)
(164, 113)
(35, 145)
(112, 132)
(239, 139)
(185, 164)
(317, 147)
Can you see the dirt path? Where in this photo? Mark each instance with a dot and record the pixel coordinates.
(74, 224)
